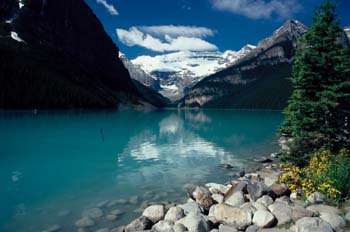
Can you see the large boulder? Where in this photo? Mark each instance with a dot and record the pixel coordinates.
(139, 224)
(312, 224)
(256, 190)
(263, 218)
(300, 212)
(323, 209)
(199, 190)
(249, 207)
(163, 226)
(204, 200)
(282, 212)
(237, 187)
(280, 190)
(236, 199)
(215, 188)
(155, 213)
(316, 198)
(336, 221)
(265, 200)
(284, 200)
(195, 223)
(231, 215)
(174, 213)
(191, 207)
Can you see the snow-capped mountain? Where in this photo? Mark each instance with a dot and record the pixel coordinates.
(180, 71)
(260, 80)
(137, 73)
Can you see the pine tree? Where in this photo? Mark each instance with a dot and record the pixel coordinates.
(319, 106)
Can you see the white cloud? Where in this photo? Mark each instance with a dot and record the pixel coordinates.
(111, 9)
(173, 31)
(172, 42)
(259, 9)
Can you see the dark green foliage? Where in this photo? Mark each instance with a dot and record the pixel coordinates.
(339, 172)
(318, 109)
(43, 78)
(270, 90)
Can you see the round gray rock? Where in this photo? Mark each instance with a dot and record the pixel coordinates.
(300, 212)
(141, 223)
(155, 213)
(231, 215)
(312, 224)
(174, 214)
(163, 226)
(191, 207)
(282, 212)
(265, 200)
(316, 197)
(323, 209)
(195, 223)
(214, 188)
(235, 200)
(336, 221)
(263, 218)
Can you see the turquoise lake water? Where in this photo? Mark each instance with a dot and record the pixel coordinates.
(53, 165)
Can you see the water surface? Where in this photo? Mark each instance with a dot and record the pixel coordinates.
(53, 165)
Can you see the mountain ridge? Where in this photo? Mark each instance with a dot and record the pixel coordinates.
(37, 35)
(258, 80)
(181, 70)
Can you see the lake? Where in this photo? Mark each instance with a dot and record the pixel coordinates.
(54, 165)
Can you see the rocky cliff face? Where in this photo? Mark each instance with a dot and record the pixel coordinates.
(258, 80)
(138, 74)
(61, 48)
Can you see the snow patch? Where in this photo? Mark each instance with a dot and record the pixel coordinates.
(169, 87)
(15, 36)
(188, 63)
(20, 4)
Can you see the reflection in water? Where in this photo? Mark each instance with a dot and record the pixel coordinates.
(73, 160)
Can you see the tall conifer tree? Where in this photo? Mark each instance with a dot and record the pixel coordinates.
(318, 109)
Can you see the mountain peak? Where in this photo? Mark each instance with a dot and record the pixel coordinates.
(293, 27)
(291, 30)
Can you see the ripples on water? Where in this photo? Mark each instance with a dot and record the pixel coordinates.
(56, 164)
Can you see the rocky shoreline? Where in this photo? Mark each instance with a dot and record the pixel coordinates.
(251, 202)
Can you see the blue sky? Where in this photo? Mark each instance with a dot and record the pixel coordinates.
(151, 27)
